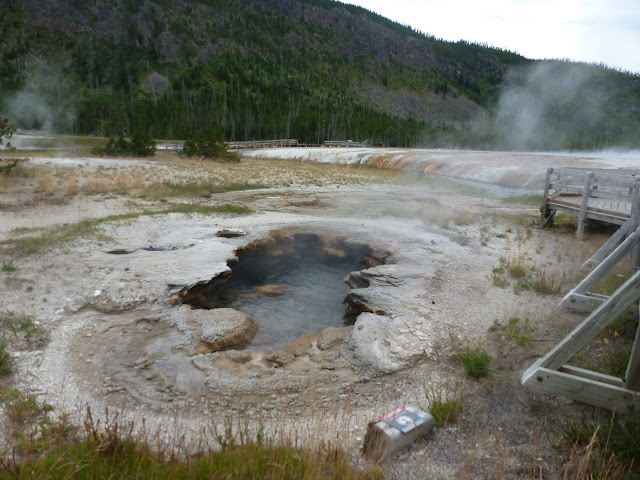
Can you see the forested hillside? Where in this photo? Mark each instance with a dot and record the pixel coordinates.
(313, 70)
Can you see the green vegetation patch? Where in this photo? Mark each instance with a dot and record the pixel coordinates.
(533, 200)
(477, 362)
(195, 189)
(515, 329)
(498, 276)
(6, 361)
(608, 444)
(445, 407)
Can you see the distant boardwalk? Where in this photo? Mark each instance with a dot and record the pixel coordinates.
(287, 143)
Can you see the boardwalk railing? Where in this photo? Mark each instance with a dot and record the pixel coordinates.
(285, 143)
(590, 194)
(262, 144)
(611, 198)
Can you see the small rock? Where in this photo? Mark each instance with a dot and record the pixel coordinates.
(279, 358)
(332, 336)
(238, 356)
(271, 290)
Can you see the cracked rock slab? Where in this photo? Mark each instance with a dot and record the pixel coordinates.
(384, 344)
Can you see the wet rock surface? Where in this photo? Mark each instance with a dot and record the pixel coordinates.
(216, 329)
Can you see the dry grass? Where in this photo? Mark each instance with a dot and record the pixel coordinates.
(137, 179)
(70, 186)
(97, 185)
(45, 184)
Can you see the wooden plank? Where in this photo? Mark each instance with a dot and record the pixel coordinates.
(613, 240)
(583, 390)
(611, 261)
(584, 333)
(616, 179)
(605, 194)
(567, 189)
(571, 171)
(607, 207)
(586, 302)
(595, 376)
(635, 215)
(617, 219)
(632, 377)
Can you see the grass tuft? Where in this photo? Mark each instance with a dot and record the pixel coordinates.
(477, 362)
(498, 276)
(515, 329)
(6, 361)
(517, 269)
(444, 407)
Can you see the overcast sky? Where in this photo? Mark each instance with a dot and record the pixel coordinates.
(606, 31)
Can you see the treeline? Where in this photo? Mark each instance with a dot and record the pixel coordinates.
(260, 74)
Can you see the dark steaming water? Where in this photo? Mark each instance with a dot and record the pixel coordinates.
(312, 276)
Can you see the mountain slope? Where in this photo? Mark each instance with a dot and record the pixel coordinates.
(312, 70)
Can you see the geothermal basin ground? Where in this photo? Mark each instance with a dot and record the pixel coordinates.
(112, 262)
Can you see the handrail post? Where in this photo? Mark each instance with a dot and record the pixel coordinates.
(585, 203)
(545, 199)
(634, 217)
(632, 377)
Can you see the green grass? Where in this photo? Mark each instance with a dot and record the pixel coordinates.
(477, 362)
(608, 443)
(69, 232)
(498, 276)
(546, 284)
(534, 200)
(626, 325)
(18, 323)
(617, 361)
(444, 407)
(7, 267)
(6, 361)
(517, 330)
(612, 281)
(55, 449)
(169, 189)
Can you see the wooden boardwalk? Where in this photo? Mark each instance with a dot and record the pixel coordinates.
(592, 195)
(608, 197)
(288, 143)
